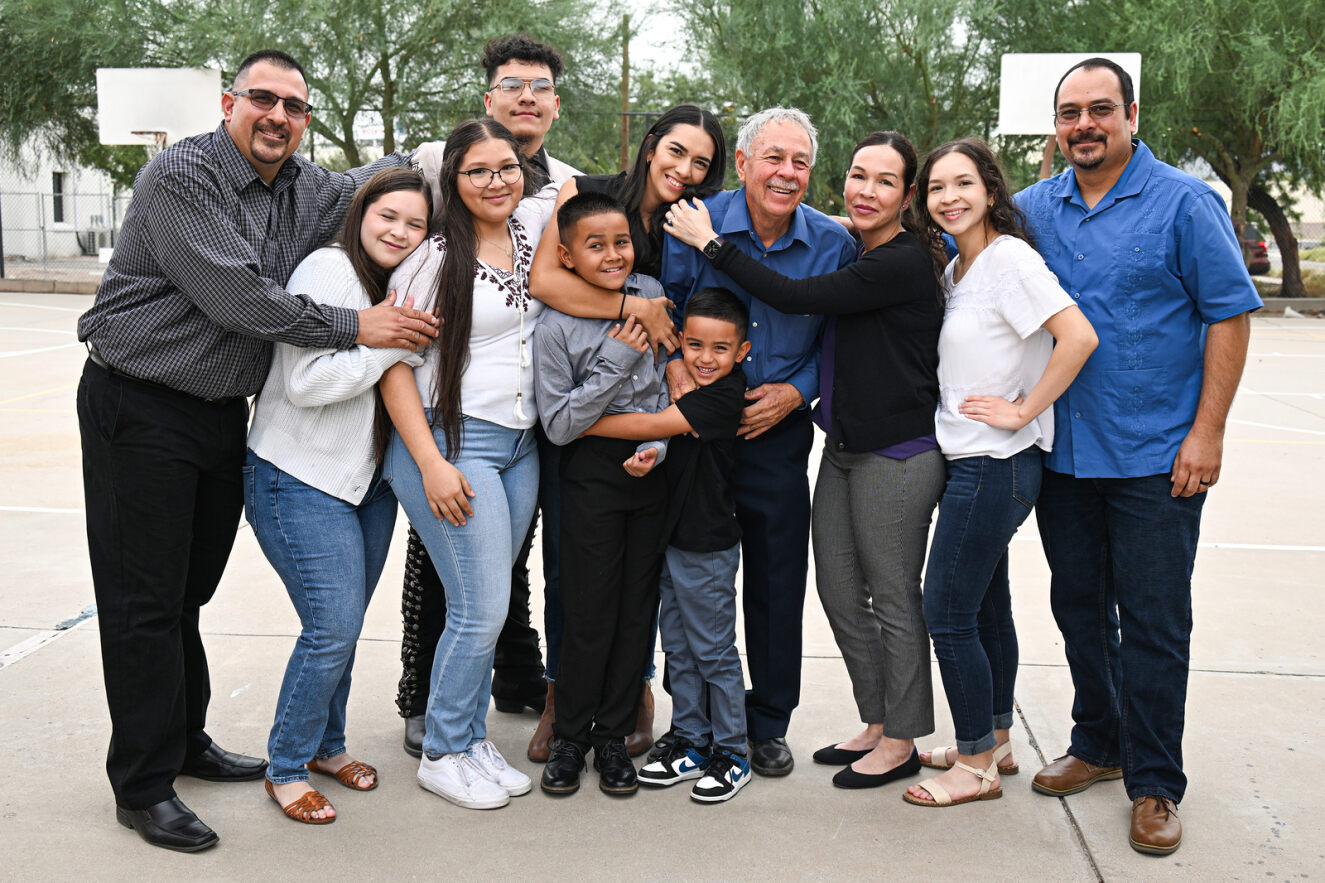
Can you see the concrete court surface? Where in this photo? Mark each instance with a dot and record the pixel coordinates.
(1253, 810)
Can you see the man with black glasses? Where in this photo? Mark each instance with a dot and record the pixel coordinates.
(180, 334)
(522, 96)
(1149, 255)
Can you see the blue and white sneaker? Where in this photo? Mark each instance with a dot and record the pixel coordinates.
(678, 763)
(727, 773)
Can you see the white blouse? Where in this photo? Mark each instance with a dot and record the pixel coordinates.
(498, 383)
(993, 343)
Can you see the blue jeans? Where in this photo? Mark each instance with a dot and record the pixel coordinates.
(329, 553)
(968, 602)
(474, 562)
(1121, 551)
(697, 620)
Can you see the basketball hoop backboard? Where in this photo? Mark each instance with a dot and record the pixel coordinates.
(1027, 81)
(156, 106)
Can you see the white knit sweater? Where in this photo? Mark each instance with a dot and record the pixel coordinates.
(314, 416)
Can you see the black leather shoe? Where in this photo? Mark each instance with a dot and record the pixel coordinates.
(771, 757)
(170, 825)
(662, 745)
(616, 773)
(564, 765)
(414, 729)
(218, 765)
(834, 756)
(514, 698)
(849, 778)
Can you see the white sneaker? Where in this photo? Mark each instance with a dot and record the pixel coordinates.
(495, 769)
(459, 779)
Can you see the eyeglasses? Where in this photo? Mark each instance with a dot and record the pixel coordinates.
(481, 178)
(1068, 116)
(264, 100)
(540, 86)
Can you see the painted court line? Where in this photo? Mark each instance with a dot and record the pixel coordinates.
(42, 639)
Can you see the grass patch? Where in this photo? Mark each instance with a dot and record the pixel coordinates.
(1312, 280)
(1313, 254)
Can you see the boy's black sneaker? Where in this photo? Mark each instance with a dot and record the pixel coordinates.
(662, 744)
(727, 773)
(679, 763)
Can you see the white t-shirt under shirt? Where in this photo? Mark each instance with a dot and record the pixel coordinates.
(498, 383)
(993, 343)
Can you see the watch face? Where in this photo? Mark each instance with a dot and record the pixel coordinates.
(711, 249)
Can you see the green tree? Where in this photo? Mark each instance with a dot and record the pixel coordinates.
(923, 67)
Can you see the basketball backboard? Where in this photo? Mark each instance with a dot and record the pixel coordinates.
(156, 106)
(1027, 81)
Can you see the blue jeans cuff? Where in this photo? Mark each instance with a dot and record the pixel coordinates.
(1003, 721)
(979, 746)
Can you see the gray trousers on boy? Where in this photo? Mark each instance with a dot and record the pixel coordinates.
(697, 623)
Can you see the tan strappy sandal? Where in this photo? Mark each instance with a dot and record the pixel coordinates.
(943, 798)
(302, 810)
(938, 759)
(349, 775)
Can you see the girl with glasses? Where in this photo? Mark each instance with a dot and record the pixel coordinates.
(462, 459)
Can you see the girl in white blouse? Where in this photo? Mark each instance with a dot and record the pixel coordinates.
(999, 372)
(462, 460)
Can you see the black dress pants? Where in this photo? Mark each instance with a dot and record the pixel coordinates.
(771, 485)
(611, 526)
(162, 482)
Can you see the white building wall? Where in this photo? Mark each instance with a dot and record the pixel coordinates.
(27, 208)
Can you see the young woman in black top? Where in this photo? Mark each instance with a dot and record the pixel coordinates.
(881, 474)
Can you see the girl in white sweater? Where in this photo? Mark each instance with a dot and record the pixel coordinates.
(314, 492)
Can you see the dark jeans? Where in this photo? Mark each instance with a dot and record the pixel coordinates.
(518, 663)
(1122, 551)
(968, 601)
(609, 590)
(772, 489)
(161, 479)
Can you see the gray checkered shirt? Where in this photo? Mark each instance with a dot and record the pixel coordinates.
(193, 297)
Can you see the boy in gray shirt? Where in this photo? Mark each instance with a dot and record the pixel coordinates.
(613, 502)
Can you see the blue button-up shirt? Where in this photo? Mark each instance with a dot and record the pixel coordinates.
(1151, 265)
(784, 347)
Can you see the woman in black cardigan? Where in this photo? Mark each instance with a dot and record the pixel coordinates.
(881, 473)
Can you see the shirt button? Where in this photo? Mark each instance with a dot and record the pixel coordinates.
(634, 377)
(749, 358)
(1081, 257)
(1136, 389)
(841, 446)
(1076, 414)
(1077, 295)
(754, 324)
(1136, 249)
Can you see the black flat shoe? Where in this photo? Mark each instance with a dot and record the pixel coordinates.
(514, 699)
(414, 729)
(564, 765)
(849, 778)
(771, 757)
(834, 756)
(218, 765)
(168, 824)
(616, 772)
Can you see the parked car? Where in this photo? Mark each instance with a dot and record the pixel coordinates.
(1254, 251)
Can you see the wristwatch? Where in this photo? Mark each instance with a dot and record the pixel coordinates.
(711, 250)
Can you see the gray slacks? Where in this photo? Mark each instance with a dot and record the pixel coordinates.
(870, 526)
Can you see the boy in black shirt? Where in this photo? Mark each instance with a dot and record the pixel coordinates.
(697, 619)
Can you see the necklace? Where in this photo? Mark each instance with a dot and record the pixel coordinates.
(497, 245)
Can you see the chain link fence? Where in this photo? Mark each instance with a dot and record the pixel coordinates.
(62, 227)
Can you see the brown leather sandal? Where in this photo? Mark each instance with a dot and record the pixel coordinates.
(349, 775)
(302, 810)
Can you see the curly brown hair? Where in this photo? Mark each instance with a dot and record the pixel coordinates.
(1005, 217)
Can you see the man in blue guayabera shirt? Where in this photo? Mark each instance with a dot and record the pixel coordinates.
(1149, 254)
(775, 151)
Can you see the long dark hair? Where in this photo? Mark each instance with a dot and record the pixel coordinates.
(1004, 216)
(454, 301)
(371, 276)
(648, 249)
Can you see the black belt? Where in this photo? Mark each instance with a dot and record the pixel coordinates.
(94, 355)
